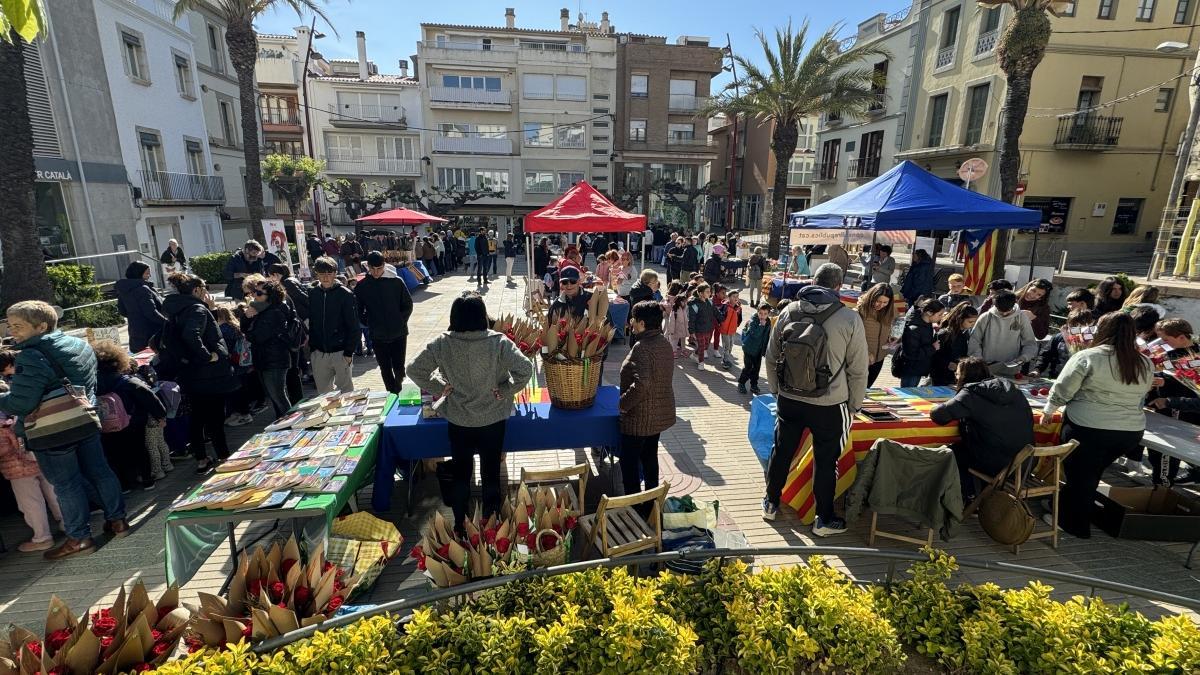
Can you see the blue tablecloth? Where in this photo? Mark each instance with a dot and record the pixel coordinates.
(786, 292)
(618, 316)
(410, 279)
(762, 426)
(407, 437)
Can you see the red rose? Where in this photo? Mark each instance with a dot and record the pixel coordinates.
(161, 648)
(56, 639)
(522, 529)
(105, 625)
(490, 535)
(155, 635)
(339, 574)
(303, 595)
(444, 551)
(337, 585)
(287, 565)
(35, 648)
(570, 522)
(247, 631)
(281, 605)
(255, 587)
(194, 643)
(326, 567)
(106, 642)
(334, 603)
(276, 591)
(142, 667)
(474, 540)
(417, 552)
(502, 545)
(421, 564)
(548, 541)
(60, 670)
(562, 323)
(531, 540)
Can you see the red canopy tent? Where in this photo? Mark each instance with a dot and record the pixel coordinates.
(583, 209)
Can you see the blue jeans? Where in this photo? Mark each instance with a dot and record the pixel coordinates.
(77, 471)
(275, 384)
(910, 380)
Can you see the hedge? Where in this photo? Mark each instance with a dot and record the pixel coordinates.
(75, 285)
(210, 266)
(727, 619)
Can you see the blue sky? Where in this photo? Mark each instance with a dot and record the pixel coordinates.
(392, 27)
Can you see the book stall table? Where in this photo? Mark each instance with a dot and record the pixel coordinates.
(192, 535)
(408, 437)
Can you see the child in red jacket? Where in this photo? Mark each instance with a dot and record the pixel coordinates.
(32, 491)
(730, 322)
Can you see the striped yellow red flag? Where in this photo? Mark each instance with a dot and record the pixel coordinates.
(979, 247)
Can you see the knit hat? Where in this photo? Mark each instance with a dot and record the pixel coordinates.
(136, 270)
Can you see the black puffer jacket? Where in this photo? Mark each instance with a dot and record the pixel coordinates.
(950, 350)
(916, 347)
(640, 292)
(333, 319)
(297, 293)
(190, 338)
(267, 333)
(384, 305)
(142, 305)
(995, 421)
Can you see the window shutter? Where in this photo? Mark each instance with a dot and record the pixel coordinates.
(37, 97)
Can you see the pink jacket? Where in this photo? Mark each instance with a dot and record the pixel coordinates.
(15, 461)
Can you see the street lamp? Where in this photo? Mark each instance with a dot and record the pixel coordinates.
(1181, 164)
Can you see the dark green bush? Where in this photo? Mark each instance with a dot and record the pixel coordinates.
(75, 285)
(210, 266)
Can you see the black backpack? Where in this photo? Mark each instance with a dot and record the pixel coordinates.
(295, 332)
(802, 366)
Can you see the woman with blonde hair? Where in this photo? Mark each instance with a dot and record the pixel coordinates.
(877, 308)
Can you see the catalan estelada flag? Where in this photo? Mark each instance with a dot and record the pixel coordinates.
(978, 248)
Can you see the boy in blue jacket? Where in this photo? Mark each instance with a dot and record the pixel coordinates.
(755, 335)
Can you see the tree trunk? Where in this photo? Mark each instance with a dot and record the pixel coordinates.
(783, 144)
(24, 269)
(1021, 49)
(243, 51)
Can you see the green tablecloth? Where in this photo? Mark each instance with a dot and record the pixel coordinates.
(193, 536)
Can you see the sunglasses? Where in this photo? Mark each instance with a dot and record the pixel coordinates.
(258, 293)
(567, 282)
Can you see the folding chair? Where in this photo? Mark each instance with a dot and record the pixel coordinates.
(1015, 478)
(876, 532)
(616, 529)
(557, 478)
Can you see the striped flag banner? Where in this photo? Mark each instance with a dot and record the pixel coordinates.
(978, 248)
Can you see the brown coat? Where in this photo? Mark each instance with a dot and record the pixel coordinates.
(877, 336)
(647, 395)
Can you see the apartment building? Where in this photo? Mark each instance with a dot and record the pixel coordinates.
(526, 111)
(659, 133)
(160, 126)
(854, 150)
(745, 166)
(366, 127)
(1105, 116)
(283, 115)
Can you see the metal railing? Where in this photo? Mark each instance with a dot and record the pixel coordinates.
(986, 42)
(439, 94)
(945, 57)
(401, 607)
(690, 140)
(473, 145)
(825, 172)
(372, 164)
(181, 188)
(863, 167)
(357, 112)
(1088, 132)
(686, 103)
(281, 117)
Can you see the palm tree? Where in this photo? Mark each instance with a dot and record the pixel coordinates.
(794, 84)
(239, 16)
(1019, 51)
(24, 269)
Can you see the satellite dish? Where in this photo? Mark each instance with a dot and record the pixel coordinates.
(972, 170)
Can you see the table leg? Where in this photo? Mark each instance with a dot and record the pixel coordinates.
(233, 553)
(1192, 551)
(409, 486)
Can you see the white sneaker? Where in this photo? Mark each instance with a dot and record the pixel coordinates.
(700, 366)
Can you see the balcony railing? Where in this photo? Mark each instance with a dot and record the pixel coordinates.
(825, 172)
(945, 57)
(355, 112)
(469, 97)
(690, 140)
(986, 42)
(281, 117)
(336, 215)
(863, 167)
(1088, 132)
(162, 187)
(877, 106)
(372, 165)
(472, 145)
(468, 46)
(686, 103)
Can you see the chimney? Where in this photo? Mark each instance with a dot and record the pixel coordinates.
(604, 25)
(510, 17)
(363, 74)
(565, 19)
(403, 68)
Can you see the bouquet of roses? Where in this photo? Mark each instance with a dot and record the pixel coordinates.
(523, 333)
(272, 592)
(1185, 369)
(575, 338)
(134, 634)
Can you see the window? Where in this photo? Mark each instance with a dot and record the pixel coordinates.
(440, 41)
(395, 147)
(683, 95)
(225, 110)
(566, 179)
(950, 28)
(600, 139)
(1054, 212)
(752, 211)
(1181, 11)
(150, 148)
(293, 148)
(806, 139)
(1125, 221)
(486, 44)
(134, 56)
(600, 111)
(639, 85)
(471, 82)
(976, 107)
(681, 133)
(216, 51)
(460, 178)
(344, 147)
(1107, 8)
(183, 77)
(536, 86)
(539, 181)
(195, 157)
(455, 130)
(1089, 96)
(937, 119)
(991, 20)
(599, 97)
(637, 131)
(800, 169)
(570, 136)
(1069, 10)
(539, 135)
(879, 86)
(1145, 10)
(1163, 102)
(571, 87)
(870, 151)
(491, 179)
(278, 110)
(831, 152)
(600, 124)
(491, 131)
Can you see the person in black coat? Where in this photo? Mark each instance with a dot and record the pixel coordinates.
(333, 331)
(138, 302)
(481, 259)
(690, 260)
(645, 288)
(267, 328)
(125, 448)
(313, 246)
(241, 265)
(173, 255)
(296, 292)
(917, 344)
(994, 418)
(952, 340)
(712, 269)
(918, 282)
(192, 352)
(384, 306)
(541, 258)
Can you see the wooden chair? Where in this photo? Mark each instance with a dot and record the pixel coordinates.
(616, 529)
(557, 478)
(876, 532)
(1029, 486)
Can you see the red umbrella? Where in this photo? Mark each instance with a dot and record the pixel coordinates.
(400, 217)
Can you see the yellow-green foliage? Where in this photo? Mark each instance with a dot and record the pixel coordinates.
(808, 618)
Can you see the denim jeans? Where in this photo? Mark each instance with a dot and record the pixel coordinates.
(275, 383)
(76, 471)
(910, 380)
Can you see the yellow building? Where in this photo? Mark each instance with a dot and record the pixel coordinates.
(1106, 113)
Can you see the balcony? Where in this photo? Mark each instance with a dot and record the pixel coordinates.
(472, 145)
(831, 120)
(686, 103)
(1088, 132)
(944, 58)
(369, 165)
(163, 188)
(825, 172)
(861, 168)
(879, 105)
(986, 42)
(691, 141)
(281, 121)
(469, 99)
(367, 115)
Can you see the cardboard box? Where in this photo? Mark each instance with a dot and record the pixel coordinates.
(1156, 514)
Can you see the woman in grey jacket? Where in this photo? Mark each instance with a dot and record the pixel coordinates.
(1102, 389)
(478, 372)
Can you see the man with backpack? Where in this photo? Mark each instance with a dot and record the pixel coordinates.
(384, 305)
(817, 368)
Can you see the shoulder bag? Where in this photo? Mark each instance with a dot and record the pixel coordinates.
(64, 417)
(1005, 516)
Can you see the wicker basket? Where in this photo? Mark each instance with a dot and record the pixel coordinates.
(572, 383)
(555, 556)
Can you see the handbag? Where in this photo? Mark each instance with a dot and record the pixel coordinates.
(64, 417)
(1005, 517)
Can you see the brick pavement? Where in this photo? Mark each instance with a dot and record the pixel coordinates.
(706, 454)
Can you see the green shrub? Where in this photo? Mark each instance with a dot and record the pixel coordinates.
(210, 266)
(75, 285)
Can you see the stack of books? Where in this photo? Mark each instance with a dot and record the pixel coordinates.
(361, 406)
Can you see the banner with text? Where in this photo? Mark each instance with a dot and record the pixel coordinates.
(802, 236)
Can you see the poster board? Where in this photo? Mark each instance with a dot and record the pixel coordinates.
(302, 252)
(275, 230)
(803, 236)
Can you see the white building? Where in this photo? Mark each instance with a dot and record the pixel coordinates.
(512, 110)
(852, 151)
(152, 74)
